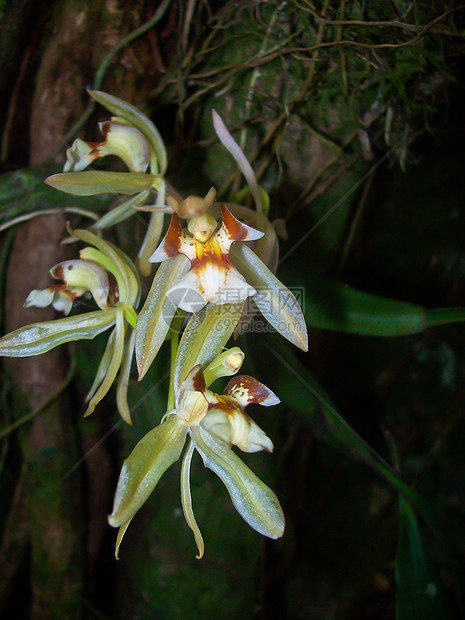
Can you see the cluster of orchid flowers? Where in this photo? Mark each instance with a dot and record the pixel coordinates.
(206, 271)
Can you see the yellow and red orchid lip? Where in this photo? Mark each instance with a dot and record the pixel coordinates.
(212, 277)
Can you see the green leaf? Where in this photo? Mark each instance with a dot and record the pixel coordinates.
(138, 120)
(274, 300)
(91, 182)
(253, 500)
(143, 468)
(204, 338)
(419, 594)
(336, 306)
(39, 338)
(157, 313)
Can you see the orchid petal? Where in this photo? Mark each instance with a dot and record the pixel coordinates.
(194, 382)
(253, 500)
(246, 390)
(62, 300)
(236, 428)
(142, 470)
(231, 145)
(172, 243)
(236, 230)
(127, 143)
(78, 156)
(257, 440)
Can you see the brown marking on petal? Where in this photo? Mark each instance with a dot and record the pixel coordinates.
(234, 229)
(226, 404)
(95, 145)
(56, 287)
(210, 252)
(173, 237)
(244, 386)
(113, 290)
(105, 129)
(198, 381)
(58, 272)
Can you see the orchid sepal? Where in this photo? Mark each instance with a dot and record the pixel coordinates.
(93, 182)
(142, 470)
(155, 317)
(204, 337)
(274, 300)
(39, 338)
(253, 500)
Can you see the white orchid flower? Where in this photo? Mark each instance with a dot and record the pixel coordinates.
(213, 423)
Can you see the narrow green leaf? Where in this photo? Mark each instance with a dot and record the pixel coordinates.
(274, 300)
(130, 113)
(39, 338)
(336, 306)
(204, 338)
(157, 313)
(419, 594)
(91, 182)
(253, 500)
(142, 470)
